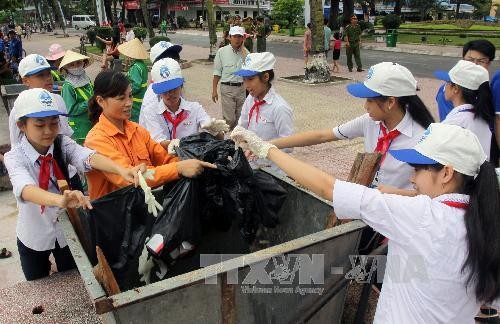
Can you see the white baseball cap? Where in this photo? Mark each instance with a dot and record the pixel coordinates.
(465, 74)
(447, 145)
(255, 63)
(166, 75)
(385, 79)
(32, 64)
(161, 47)
(36, 103)
(237, 30)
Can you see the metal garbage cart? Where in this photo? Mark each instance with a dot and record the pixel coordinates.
(295, 273)
(11, 91)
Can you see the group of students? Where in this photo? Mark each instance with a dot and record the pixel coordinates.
(436, 195)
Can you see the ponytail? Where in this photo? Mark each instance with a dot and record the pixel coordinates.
(482, 100)
(95, 110)
(482, 221)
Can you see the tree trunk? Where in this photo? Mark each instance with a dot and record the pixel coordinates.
(109, 12)
(457, 10)
(145, 14)
(114, 9)
(334, 14)
(372, 8)
(122, 15)
(63, 20)
(348, 9)
(50, 10)
(317, 69)
(39, 10)
(397, 7)
(212, 33)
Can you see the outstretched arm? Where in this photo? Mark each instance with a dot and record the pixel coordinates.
(305, 139)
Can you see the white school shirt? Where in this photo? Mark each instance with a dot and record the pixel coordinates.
(149, 103)
(35, 230)
(161, 129)
(129, 36)
(275, 121)
(392, 172)
(65, 129)
(463, 116)
(423, 281)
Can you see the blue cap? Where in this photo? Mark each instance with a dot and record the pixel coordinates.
(40, 69)
(162, 87)
(411, 156)
(246, 73)
(442, 75)
(46, 113)
(359, 90)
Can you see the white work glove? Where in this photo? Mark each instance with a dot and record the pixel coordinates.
(145, 265)
(215, 126)
(153, 205)
(248, 140)
(172, 145)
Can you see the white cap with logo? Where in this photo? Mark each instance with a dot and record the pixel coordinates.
(255, 63)
(166, 75)
(465, 74)
(162, 46)
(32, 64)
(447, 145)
(36, 103)
(385, 79)
(237, 30)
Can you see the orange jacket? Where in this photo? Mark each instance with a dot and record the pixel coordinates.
(128, 149)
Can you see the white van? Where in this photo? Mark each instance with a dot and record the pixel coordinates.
(82, 21)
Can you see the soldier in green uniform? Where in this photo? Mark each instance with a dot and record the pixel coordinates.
(249, 30)
(262, 32)
(76, 92)
(353, 43)
(225, 32)
(137, 73)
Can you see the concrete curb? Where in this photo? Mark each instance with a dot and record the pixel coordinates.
(441, 52)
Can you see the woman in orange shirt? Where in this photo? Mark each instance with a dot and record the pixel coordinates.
(125, 142)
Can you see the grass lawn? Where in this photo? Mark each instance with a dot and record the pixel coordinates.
(447, 27)
(437, 39)
(96, 50)
(299, 31)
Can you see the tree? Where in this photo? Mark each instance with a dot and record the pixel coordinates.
(334, 14)
(145, 14)
(212, 33)
(289, 10)
(317, 69)
(11, 5)
(348, 10)
(424, 6)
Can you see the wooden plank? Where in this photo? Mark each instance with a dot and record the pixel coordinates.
(228, 303)
(103, 274)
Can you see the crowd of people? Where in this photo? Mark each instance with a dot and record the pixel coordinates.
(435, 194)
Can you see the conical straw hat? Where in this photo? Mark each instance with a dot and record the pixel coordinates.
(134, 49)
(71, 57)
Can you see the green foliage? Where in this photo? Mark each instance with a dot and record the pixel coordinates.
(140, 32)
(105, 33)
(289, 10)
(11, 4)
(91, 34)
(182, 22)
(366, 25)
(156, 39)
(391, 21)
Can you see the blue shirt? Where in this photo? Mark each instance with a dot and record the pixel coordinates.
(2, 45)
(444, 106)
(495, 91)
(16, 48)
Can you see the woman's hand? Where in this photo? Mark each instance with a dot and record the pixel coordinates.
(74, 199)
(192, 168)
(131, 174)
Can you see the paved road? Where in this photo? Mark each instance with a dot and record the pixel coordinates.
(420, 65)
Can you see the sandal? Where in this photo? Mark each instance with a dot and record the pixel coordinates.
(4, 254)
(487, 315)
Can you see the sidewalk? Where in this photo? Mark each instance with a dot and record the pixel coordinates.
(420, 49)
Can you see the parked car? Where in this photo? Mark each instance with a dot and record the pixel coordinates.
(82, 21)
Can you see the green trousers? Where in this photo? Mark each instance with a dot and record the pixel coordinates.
(349, 51)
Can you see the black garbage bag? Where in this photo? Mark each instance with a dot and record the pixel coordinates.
(119, 224)
(269, 198)
(179, 222)
(220, 187)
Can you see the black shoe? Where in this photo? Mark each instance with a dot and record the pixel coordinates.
(350, 70)
(360, 70)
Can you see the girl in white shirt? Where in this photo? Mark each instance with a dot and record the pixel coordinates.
(395, 119)
(264, 111)
(34, 165)
(443, 257)
(467, 87)
(174, 117)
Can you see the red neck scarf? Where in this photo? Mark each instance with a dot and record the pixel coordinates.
(385, 141)
(44, 175)
(256, 108)
(175, 121)
(456, 204)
